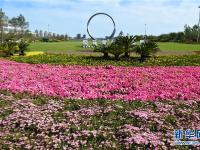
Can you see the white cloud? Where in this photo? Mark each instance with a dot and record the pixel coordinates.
(161, 16)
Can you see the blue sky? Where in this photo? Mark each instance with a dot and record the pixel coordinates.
(70, 16)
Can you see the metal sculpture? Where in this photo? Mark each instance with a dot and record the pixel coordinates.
(105, 14)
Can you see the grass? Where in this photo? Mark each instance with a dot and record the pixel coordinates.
(56, 46)
(74, 47)
(187, 60)
(166, 46)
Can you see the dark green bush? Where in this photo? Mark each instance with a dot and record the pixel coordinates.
(10, 47)
(146, 49)
(45, 39)
(121, 45)
(23, 46)
(127, 43)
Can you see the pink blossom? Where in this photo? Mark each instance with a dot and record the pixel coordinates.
(115, 83)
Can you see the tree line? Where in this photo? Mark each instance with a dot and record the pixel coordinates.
(20, 30)
(189, 35)
(17, 28)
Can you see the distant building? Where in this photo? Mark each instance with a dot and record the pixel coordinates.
(11, 29)
(84, 36)
(41, 35)
(78, 36)
(46, 34)
(66, 37)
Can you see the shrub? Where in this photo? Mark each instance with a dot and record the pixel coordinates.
(113, 48)
(127, 43)
(23, 46)
(10, 47)
(146, 49)
(122, 44)
(116, 49)
(103, 49)
(45, 39)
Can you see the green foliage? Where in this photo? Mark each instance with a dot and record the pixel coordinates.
(23, 46)
(3, 47)
(103, 49)
(10, 47)
(45, 39)
(146, 49)
(19, 22)
(191, 33)
(40, 101)
(3, 19)
(4, 103)
(122, 44)
(5, 113)
(171, 120)
(187, 60)
(126, 43)
(22, 23)
(115, 49)
(14, 23)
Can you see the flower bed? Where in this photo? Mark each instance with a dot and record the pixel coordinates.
(44, 123)
(3, 53)
(115, 83)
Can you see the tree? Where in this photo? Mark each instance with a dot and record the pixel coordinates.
(172, 37)
(23, 24)
(180, 37)
(121, 33)
(66, 36)
(164, 38)
(54, 35)
(14, 22)
(191, 33)
(3, 20)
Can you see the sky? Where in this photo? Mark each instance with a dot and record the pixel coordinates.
(71, 16)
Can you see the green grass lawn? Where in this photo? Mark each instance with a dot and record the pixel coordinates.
(74, 47)
(60, 46)
(165, 46)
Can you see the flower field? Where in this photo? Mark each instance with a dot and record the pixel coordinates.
(96, 107)
(114, 83)
(44, 123)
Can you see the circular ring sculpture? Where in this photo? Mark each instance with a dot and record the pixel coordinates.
(114, 30)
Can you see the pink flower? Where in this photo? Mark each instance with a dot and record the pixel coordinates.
(115, 83)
